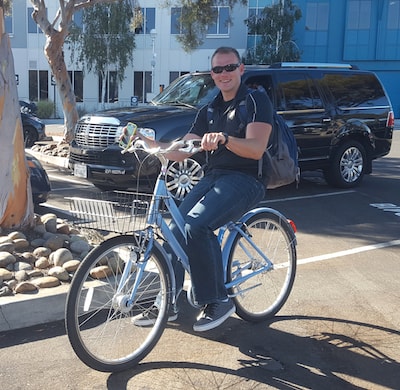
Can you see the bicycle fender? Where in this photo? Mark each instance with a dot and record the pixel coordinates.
(232, 234)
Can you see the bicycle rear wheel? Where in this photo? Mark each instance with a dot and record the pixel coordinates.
(100, 323)
(261, 296)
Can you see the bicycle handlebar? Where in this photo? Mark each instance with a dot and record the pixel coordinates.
(187, 146)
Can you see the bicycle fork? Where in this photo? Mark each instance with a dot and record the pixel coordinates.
(122, 301)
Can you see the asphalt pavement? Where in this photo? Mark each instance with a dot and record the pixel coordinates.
(47, 305)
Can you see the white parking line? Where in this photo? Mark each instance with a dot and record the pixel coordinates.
(307, 196)
(70, 180)
(348, 252)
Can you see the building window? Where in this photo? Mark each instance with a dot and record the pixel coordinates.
(148, 21)
(176, 25)
(221, 24)
(38, 85)
(33, 28)
(393, 22)
(111, 88)
(174, 75)
(255, 12)
(78, 19)
(359, 15)
(142, 85)
(76, 78)
(317, 16)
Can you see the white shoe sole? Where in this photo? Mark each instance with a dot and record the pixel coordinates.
(142, 321)
(214, 324)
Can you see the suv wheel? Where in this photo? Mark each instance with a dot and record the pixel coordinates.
(182, 176)
(347, 165)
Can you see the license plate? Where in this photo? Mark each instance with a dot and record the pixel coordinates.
(80, 170)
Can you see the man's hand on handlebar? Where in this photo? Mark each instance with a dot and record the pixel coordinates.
(133, 138)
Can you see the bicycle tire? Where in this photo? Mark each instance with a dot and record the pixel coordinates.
(260, 297)
(100, 326)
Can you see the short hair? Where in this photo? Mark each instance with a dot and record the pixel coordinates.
(226, 50)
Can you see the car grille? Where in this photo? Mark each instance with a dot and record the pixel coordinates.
(97, 159)
(95, 136)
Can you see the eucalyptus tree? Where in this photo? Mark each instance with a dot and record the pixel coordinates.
(106, 39)
(56, 32)
(195, 18)
(16, 206)
(273, 29)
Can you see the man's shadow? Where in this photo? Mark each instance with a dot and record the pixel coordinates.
(283, 360)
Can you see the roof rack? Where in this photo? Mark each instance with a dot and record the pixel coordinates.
(312, 65)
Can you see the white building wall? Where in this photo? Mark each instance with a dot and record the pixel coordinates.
(169, 56)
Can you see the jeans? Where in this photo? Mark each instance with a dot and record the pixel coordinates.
(220, 197)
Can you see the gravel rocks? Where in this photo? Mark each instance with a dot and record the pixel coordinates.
(43, 257)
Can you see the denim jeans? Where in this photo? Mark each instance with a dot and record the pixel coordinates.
(221, 196)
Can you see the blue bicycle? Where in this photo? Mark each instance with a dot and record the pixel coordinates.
(129, 275)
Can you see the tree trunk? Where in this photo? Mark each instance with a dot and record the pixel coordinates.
(53, 51)
(55, 57)
(16, 205)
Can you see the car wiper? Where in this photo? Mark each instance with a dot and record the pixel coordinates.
(180, 103)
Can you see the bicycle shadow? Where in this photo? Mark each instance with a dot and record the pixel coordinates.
(332, 353)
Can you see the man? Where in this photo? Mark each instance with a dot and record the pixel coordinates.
(230, 186)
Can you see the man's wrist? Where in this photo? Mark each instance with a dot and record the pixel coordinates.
(226, 135)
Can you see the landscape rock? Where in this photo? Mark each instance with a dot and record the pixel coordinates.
(55, 242)
(42, 251)
(20, 276)
(5, 274)
(46, 282)
(22, 266)
(42, 263)
(7, 247)
(71, 265)
(60, 256)
(21, 243)
(60, 273)
(6, 258)
(25, 287)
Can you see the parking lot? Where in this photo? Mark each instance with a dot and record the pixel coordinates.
(338, 330)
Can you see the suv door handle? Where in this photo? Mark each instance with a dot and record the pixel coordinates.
(326, 120)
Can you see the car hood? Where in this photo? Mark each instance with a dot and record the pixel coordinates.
(169, 122)
(143, 114)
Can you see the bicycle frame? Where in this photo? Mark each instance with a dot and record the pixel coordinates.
(155, 218)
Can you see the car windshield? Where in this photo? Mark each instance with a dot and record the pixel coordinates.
(193, 90)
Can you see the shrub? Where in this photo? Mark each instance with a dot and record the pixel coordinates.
(45, 109)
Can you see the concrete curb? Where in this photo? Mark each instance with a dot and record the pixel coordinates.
(25, 310)
(61, 162)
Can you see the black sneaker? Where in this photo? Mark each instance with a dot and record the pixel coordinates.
(148, 318)
(213, 315)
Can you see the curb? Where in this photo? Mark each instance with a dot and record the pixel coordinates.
(25, 310)
(62, 162)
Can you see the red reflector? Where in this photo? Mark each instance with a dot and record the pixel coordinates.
(293, 225)
(390, 119)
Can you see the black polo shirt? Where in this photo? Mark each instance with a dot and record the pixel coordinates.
(232, 117)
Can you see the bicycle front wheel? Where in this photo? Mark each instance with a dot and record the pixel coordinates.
(262, 293)
(102, 323)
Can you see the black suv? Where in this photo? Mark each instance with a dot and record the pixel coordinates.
(341, 117)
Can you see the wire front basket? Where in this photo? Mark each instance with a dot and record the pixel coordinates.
(116, 211)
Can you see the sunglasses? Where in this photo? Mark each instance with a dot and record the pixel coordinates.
(227, 68)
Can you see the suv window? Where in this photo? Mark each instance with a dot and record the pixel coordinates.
(356, 90)
(298, 92)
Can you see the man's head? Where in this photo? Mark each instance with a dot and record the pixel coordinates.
(226, 71)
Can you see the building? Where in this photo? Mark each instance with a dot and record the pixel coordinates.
(365, 33)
